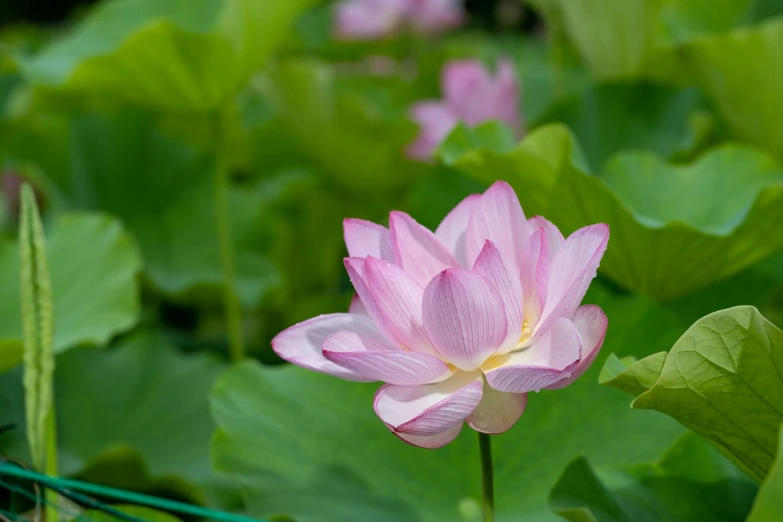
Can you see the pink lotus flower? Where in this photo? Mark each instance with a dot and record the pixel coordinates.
(472, 96)
(462, 323)
(375, 19)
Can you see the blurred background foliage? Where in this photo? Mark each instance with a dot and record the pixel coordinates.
(658, 117)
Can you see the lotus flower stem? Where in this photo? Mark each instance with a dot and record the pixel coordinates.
(231, 303)
(487, 480)
(50, 467)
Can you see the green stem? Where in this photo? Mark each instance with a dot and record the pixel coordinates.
(487, 479)
(232, 308)
(557, 47)
(50, 466)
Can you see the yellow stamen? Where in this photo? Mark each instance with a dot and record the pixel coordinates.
(493, 361)
(525, 335)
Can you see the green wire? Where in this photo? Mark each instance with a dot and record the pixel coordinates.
(91, 503)
(130, 497)
(10, 515)
(36, 499)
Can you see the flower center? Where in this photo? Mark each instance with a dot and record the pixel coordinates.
(497, 359)
(491, 363)
(524, 336)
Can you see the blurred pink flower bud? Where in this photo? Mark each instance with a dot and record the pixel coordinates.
(471, 96)
(369, 19)
(435, 16)
(377, 19)
(10, 186)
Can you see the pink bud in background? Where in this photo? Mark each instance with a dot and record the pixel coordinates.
(377, 19)
(471, 96)
(460, 323)
(381, 66)
(369, 19)
(10, 187)
(435, 16)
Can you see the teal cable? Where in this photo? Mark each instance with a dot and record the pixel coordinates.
(11, 516)
(125, 496)
(41, 500)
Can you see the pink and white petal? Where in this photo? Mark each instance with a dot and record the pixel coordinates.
(355, 266)
(591, 322)
(493, 265)
(301, 344)
(551, 358)
(429, 409)
(380, 362)
(347, 341)
(398, 298)
(431, 441)
(499, 218)
(571, 271)
(436, 120)
(534, 276)
(418, 250)
(497, 411)
(464, 317)
(365, 238)
(453, 228)
(554, 238)
(357, 307)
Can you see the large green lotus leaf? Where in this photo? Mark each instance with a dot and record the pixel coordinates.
(690, 482)
(722, 379)
(613, 117)
(133, 417)
(769, 502)
(487, 153)
(632, 39)
(733, 176)
(675, 229)
(730, 66)
(612, 36)
(632, 376)
(354, 132)
(188, 55)
(163, 192)
(310, 446)
(680, 21)
(94, 265)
